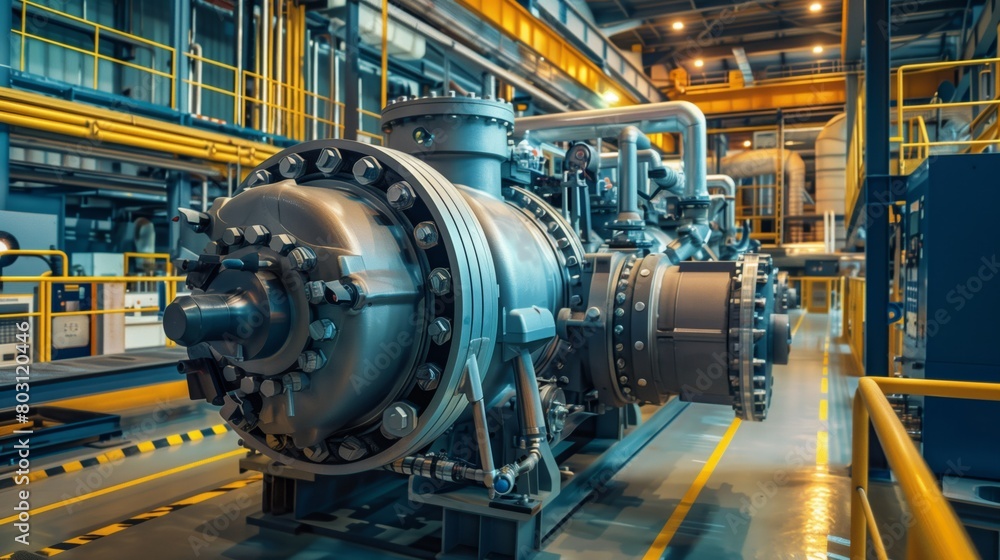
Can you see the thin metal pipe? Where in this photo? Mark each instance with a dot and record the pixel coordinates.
(529, 399)
(652, 158)
(671, 116)
(630, 139)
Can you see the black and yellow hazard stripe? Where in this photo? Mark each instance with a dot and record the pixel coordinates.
(141, 518)
(119, 454)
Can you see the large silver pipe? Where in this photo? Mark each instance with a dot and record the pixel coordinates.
(630, 140)
(671, 116)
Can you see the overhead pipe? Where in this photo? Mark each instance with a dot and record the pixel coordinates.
(664, 176)
(630, 139)
(680, 117)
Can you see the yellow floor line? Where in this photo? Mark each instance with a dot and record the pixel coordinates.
(824, 385)
(822, 448)
(128, 484)
(798, 323)
(663, 539)
(823, 409)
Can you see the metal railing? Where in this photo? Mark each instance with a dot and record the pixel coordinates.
(984, 129)
(764, 216)
(853, 325)
(31, 11)
(936, 531)
(45, 314)
(282, 106)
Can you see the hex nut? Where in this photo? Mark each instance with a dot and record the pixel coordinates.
(250, 385)
(259, 177)
(322, 329)
(399, 420)
(367, 170)
(329, 160)
(271, 388)
(302, 258)
(352, 449)
(428, 376)
(314, 291)
(440, 281)
(400, 195)
(282, 243)
(426, 235)
(291, 166)
(440, 330)
(317, 453)
(311, 360)
(230, 373)
(232, 236)
(257, 235)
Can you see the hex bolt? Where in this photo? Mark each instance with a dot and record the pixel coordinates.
(400, 195)
(291, 166)
(317, 453)
(250, 385)
(257, 235)
(593, 314)
(329, 160)
(426, 235)
(440, 330)
(399, 420)
(271, 388)
(311, 360)
(232, 236)
(259, 177)
(302, 258)
(295, 381)
(367, 170)
(276, 442)
(230, 373)
(352, 449)
(440, 281)
(322, 329)
(282, 243)
(314, 291)
(428, 376)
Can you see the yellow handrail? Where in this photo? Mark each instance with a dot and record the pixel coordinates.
(45, 314)
(937, 531)
(127, 257)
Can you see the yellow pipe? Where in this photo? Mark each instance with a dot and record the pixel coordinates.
(385, 53)
(859, 477)
(873, 526)
(104, 312)
(39, 253)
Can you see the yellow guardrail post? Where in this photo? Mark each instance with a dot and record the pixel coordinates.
(937, 531)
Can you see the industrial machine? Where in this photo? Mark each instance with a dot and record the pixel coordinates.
(364, 312)
(951, 291)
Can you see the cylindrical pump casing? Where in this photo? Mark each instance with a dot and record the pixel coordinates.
(463, 138)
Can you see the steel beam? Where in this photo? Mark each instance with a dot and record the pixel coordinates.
(5, 23)
(352, 72)
(877, 201)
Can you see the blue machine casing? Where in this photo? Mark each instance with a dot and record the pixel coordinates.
(952, 305)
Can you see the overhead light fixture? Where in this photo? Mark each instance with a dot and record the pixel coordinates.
(747, 143)
(815, 7)
(678, 25)
(698, 63)
(818, 49)
(611, 97)
(8, 243)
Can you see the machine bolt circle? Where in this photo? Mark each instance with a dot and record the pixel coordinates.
(440, 330)
(399, 420)
(426, 235)
(232, 236)
(329, 160)
(302, 258)
(259, 177)
(291, 166)
(257, 235)
(322, 329)
(440, 281)
(593, 314)
(400, 195)
(367, 170)
(352, 449)
(428, 376)
(282, 243)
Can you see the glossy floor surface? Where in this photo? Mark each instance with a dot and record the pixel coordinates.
(705, 487)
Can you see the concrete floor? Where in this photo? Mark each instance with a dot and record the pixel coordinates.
(777, 489)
